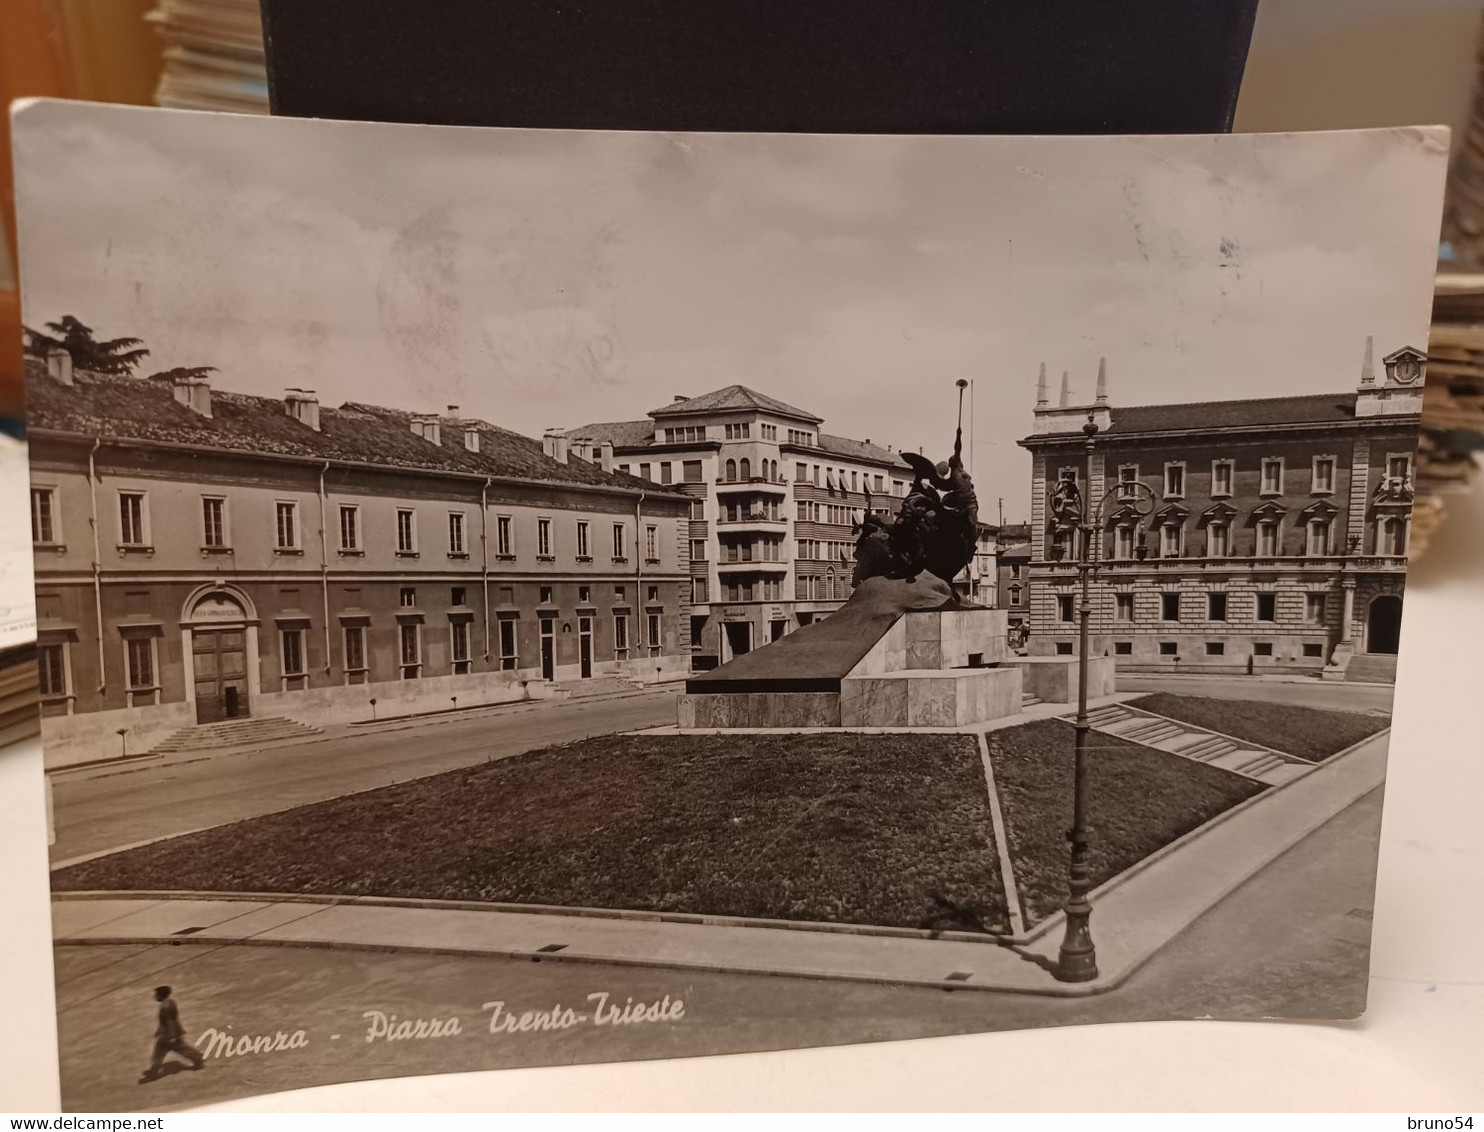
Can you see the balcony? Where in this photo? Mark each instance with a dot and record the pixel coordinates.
(752, 565)
(753, 525)
(756, 483)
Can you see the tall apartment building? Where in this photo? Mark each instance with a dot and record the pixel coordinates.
(1277, 532)
(204, 555)
(1012, 564)
(773, 500)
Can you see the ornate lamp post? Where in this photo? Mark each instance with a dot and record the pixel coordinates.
(1077, 961)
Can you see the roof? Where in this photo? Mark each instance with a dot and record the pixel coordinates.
(1312, 408)
(621, 434)
(730, 398)
(139, 410)
(859, 450)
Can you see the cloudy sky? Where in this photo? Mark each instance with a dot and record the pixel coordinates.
(545, 279)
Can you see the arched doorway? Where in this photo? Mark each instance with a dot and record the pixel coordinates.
(221, 643)
(1383, 630)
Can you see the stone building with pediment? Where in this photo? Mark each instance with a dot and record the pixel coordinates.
(1269, 536)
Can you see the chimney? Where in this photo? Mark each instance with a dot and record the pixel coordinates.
(605, 455)
(1102, 393)
(1066, 389)
(583, 448)
(675, 400)
(1367, 367)
(59, 365)
(303, 406)
(471, 438)
(453, 412)
(426, 426)
(554, 444)
(1041, 399)
(194, 393)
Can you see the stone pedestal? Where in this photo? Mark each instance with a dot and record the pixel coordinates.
(1054, 678)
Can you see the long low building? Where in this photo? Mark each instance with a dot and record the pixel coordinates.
(1263, 536)
(204, 555)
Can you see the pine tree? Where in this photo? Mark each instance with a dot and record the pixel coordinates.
(115, 356)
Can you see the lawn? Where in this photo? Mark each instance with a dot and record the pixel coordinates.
(891, 830)
(1140, 800)
(1309, 733)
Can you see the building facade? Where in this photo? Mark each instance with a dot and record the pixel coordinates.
(774, 505)
(203, 555)
(1269, 535)
(1012, 565)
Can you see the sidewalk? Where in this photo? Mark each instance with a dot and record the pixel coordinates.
(1134, 916)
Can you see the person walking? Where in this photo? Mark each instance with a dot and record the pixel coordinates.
(169, 1037)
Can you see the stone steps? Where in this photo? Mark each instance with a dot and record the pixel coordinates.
(255, 731)
(1371, 668)
(1195, 743)
(1028, 700)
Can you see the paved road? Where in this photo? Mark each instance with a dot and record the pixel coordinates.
(100, 813)
(1335, 695)
(1293, 941)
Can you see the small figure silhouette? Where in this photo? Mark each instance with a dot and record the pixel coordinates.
(169, 1038)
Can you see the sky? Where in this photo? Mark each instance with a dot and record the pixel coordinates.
(546, 279)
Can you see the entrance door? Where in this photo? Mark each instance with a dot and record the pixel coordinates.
(778, 629)
(548, 648)
(739, 637)
(1384, 625)
(585, 644)
(219, 662)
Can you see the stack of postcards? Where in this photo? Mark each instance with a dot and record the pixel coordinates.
(1453, 414)
(214, 58)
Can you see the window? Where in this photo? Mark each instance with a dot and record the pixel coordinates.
(667, 472)
(1314, 608)
(687, 434)
(738, 431)
(1170, 540)
(458, 596)
(291, 652)
(769, 432)
(651, 594)
(456, 533)
(1391, 536)
(1123, 607)
(1174, 481)
(584, 595)
(51, 665)
(698, 550)
(43, 516)
(285, 525)
(543, 538)
(1267, 607)
(801, 473)
(1123, 648)
(1015, 595)
(690, 471)
(698, 591)
(644, 473)
(1128, 474)
(458, 646)
(1262, 648)
(620, 636)
(1063, 648)
(620, 543)
(1218, 541)
(1216, 607)
(1318, 537)
(1015, 568)
(406, 531)
(1272, 476)
(1169, 606)
(139, 662)
(508, 657)
(355, 653)
(652, 628)
(548, 595)
(504, 537)
(801, 438)
(1215, 648)
(1398, 467)
(1313, 648)
(1267, 538)
(131, 519)
(652, 543)
(620, 595)
(744, 469)
(1221, 478)
(411, 651)
(1064, 610)
(350, 530)
(697, 508)
(584, 551)
(407, 597)
(1324, 475)
(1168, 648)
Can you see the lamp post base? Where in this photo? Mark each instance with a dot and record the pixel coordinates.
(1077, 961)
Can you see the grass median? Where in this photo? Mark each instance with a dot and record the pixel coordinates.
(1310, 733)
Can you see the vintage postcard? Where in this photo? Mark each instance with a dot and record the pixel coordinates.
(516, 597)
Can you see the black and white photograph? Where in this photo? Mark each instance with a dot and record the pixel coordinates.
(514, 598)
